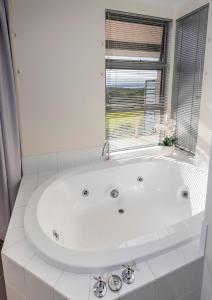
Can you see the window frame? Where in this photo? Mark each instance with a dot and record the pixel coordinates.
(161, 65)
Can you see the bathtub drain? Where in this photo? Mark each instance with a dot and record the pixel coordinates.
(85, 192)
(121, 211)
(140, 179)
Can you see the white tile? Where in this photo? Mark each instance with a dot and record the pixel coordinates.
(194, 225)
(83, 156)
(58, 296)
(144, 293)
(164, 264)
(14, 275)
(181, 273)
(193, 296)
(74, 286)
(13, 236)
(17, 219)
(47, 273)
(206, 284)
(43, 177)
(143, 277)
(13, 294)
(176, 228)
(172, 286)
(193, 279)
(96, 154)
(162, 292)
(66, 160)
(37, 289)
(23, 197)
(29, 182)
(189, 252)
(47, 163)
(20, 252)
(30, 165)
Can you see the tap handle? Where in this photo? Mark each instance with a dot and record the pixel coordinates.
(100, 287)
(97, 278)
(128, 274)
(128, 267)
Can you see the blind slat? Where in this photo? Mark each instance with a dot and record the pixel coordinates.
(136, 65)
(189, 62)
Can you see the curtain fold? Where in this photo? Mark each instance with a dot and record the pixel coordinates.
(10, 152)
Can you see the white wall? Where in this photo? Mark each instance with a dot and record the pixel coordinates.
(59, 50)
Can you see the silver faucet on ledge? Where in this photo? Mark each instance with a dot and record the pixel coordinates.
(105, 151)
(100, 287)
(128, 275)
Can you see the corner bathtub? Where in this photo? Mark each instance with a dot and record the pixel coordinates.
(74, 223)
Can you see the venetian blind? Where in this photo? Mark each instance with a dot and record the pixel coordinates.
(136, 70)
(189, 63)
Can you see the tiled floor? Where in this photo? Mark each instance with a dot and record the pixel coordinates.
(2, 285)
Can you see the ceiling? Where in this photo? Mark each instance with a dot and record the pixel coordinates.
(173, 3)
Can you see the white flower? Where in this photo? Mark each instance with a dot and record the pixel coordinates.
(160, 128)
(168, 133)
(167, 129)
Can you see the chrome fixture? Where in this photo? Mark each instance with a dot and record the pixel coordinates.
(56, 235)
(105, 150)
(85, 192)
(114, 193)
(100, 287)
(140, 179)
(115, 283)
(128, 275)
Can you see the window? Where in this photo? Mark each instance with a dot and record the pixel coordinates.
(136, 68)
(189, 62)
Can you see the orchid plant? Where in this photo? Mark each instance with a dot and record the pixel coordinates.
(167, 130)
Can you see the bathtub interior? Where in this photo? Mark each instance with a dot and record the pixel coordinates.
(168, 193)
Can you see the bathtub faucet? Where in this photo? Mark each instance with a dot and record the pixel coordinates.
(100, 287)
(105, 151)
(128, 275)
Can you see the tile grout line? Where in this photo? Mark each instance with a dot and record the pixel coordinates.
(15, 243)
(16, 291)
(25, 282)
(56, 282)
(152, 272)
(21, 206)
(89, 288)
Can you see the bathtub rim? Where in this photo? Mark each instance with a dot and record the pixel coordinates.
(85, 261)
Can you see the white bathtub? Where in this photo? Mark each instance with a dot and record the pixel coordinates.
(98, 232)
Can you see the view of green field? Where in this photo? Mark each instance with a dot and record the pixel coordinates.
(125, 124)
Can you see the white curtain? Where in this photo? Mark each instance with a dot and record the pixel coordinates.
(10, 153)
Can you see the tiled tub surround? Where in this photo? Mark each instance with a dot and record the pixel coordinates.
(170, 276)
(173, 275)
(59, 161)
